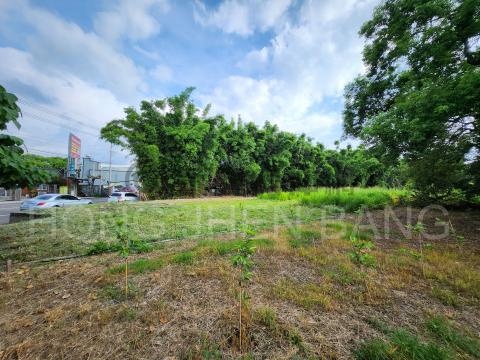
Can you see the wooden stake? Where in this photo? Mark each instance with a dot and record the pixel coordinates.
(126, 278)
(240, 329)
(8, 266)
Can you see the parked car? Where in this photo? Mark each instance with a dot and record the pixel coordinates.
(120, 196)
(46, 201)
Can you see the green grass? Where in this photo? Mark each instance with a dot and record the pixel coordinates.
(184, 257)
(308, 295)
(446, 296)
(349, 199)
(448, 342)
(400, 345)
(142, 265)
(299, 237)
(453, 337)
(202, 250)
(70, 231)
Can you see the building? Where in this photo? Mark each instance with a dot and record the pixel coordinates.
(97, 178)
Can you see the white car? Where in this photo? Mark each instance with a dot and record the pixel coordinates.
(53, 200)
(120, 196)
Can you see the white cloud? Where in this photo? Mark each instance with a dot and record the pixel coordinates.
(243, 17)
(306, 62)
(162, 73)
(255, 59)
(62, 46)
(133, 19)
(66, 95)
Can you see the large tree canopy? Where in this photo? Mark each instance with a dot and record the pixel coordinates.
(420, 96)
(174, 144)
(15, 169)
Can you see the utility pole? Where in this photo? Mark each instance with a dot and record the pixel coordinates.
(110, 172)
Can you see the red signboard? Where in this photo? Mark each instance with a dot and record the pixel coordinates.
(74, 147)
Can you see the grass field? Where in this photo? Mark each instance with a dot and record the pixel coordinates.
(321, 286)
(73, 230)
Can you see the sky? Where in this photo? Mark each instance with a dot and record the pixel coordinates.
(75, 65)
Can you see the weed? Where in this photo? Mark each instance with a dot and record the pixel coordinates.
(126, 314)
(361, 252)
(418, 229)
(459, 239)
(401, 345)
(206, 350)
(295, 338)
(184, 258)
(379, 325)
(267, 317)
(451, 336)
(446, 296)
(350, 199)
(141, 265)
(100, 247)
(374, 349)
(302, 237)
(414, 254)
(412, 348)
(117, 294)
(305, 295)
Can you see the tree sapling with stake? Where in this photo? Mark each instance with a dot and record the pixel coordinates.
(418, 229)
(123, 239)
(242, 260)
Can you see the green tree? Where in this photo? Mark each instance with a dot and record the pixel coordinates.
(308, 165)
(420, 97)
(237, 166)
(354, 167)
(175, 145)
(54, 165)
(15, 170)
(272, 154)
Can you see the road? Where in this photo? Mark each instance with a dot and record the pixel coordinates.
(7, 207)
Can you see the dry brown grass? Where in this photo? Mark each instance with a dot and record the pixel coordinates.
(307, 299)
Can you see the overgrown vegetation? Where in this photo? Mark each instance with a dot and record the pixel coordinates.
(349, 199)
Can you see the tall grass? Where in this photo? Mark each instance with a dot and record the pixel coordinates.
(350, 199)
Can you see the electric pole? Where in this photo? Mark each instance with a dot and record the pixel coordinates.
(110, 172)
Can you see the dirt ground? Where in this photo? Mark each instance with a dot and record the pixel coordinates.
(308, 301)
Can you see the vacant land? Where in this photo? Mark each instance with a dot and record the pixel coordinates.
(323, 286)
(73, 230)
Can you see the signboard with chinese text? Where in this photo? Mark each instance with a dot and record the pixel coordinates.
(74, 153)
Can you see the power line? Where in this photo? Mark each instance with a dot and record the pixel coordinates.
(45, 152)
(44, 109)
(66, 127)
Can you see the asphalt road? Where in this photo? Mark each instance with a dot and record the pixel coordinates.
(7, 207)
